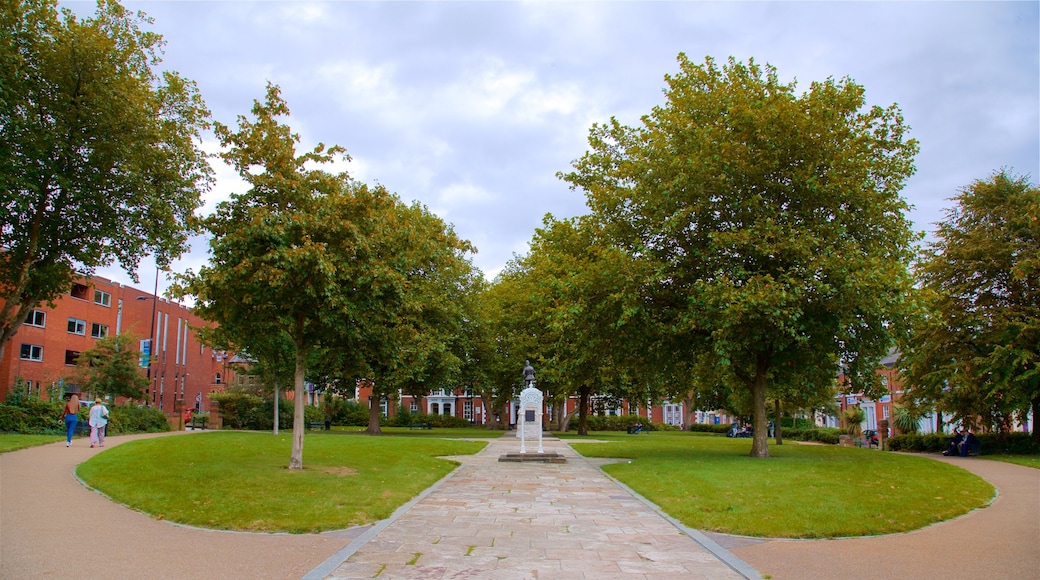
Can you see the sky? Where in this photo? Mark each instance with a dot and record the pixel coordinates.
(471, 108)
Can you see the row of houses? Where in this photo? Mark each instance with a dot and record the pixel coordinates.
(43, 354)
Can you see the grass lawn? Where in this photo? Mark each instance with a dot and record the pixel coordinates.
(241, 480)
(1026, 460)
(802, 491)
(14, 441)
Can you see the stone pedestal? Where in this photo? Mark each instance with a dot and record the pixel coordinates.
(529, 416)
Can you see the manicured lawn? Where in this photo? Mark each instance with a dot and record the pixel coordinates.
(450, 433)
(801, 491)
(14, 441)
(241, 481)
(1026, 460)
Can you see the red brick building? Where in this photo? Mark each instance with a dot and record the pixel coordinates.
(42, 355)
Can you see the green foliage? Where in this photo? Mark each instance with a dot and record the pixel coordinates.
(829, 435)
(126, 419)
(404, 419)
(623, 422)
(989, 443)
(708, 428)
(30, 414)
(100, 151)
(249, 412)
(112, 367)
(975, 350)
(770, 229)
(853, 418)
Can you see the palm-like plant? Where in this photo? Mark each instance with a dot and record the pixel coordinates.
(905, 420)
(854, 417)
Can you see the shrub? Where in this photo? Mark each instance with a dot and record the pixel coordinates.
(623, 422)
(243, 411)
(30, 414)
(132, 419)
(708, 428)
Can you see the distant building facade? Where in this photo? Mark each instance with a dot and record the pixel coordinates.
(42, 355)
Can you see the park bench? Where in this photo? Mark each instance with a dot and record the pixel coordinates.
(197, 423)
(636, 429)
(423, 425)
(316, 425)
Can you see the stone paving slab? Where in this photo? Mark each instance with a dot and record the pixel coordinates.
(500, 520)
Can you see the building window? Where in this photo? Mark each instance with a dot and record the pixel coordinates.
(80, 291)
(413, 407)
(435, 408)
(32, 352)
(77, 326)
(217, 379)
(36, 318)
(102, 298)
(467, 410)
(98, 330)
(71, 356)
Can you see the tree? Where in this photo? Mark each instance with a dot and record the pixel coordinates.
(409, 340)
(112, 367)
(772, 223)
(975, 349)
(292, 254)
(99, 156)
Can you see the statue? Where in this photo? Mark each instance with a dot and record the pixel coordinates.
(528, 373)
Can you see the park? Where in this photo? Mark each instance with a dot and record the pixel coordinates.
(751, 361)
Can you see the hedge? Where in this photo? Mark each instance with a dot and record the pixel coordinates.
(30, 414)
(622, 423)
(989, 443)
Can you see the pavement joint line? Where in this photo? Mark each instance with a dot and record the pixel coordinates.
(329, 566)
(334, 561)
(736, 564)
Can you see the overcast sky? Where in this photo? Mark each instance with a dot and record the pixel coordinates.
(472, 107)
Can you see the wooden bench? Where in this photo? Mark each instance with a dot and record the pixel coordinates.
(425, 425)
(316, 425)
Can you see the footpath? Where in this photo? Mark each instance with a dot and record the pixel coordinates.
(489, 520)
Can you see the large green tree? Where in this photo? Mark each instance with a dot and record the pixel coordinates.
(293, 254)
(772, 223)
(99, 156)
(975, 349)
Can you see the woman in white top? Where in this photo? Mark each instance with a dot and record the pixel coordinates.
(98, 420)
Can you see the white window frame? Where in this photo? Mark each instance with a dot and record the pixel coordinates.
(77, 326)
(34, 349)
(37, 318)
(467, 410)
(103, 298)
(413, 407)
(98, 330)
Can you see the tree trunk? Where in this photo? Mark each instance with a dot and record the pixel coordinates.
(779, 417)
(583, 411)
(296, 461)
(760, 440)
(373, 414)
(276, 397)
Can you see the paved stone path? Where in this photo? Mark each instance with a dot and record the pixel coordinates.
(531, 520)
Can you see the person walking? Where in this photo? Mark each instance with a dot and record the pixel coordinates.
(98, 420)
(68, 414)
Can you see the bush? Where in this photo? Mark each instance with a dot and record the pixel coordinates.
(131, 419)
(30, 414)
(242, 411)
(709, 428)
(989, 443)
(623, 422)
